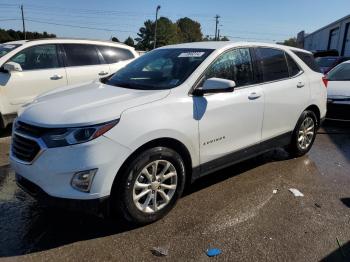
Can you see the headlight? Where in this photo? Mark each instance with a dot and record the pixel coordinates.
(71, 136)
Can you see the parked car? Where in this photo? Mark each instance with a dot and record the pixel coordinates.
(338, 83)
(169, 117)
(328, 62)
(31, 67)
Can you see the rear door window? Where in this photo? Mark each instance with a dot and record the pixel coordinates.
(309, 60)
(81, 55)
(273, 64)
(37, 57)
(114, 55)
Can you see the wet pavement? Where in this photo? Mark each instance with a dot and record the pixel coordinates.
(233, 209)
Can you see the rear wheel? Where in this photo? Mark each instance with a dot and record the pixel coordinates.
(304, 134)
(149, 186)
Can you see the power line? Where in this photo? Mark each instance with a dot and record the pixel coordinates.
(77, 26)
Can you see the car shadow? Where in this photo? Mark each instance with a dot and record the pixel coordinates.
(340, 254)
(6, 132)
(346, 201)
(30, 228)
(339, 133)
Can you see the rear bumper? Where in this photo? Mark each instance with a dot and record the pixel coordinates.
(338, 111)
(98, 206)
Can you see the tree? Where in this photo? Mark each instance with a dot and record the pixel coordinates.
(145, 36)
(224, 38)
(189, 30)
(290, 42)
(114, 39)
(12, 35)
(166, 34)
(129, 41)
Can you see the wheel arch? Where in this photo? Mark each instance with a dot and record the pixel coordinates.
(171, 143)
(316, 110)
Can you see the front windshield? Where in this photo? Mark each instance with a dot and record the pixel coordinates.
(326, 61)
(6, 48)
(160, 69)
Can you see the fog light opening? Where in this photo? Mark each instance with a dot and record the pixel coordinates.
(82, 180)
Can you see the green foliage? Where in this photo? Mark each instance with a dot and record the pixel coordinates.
(290, 42)
(129, 41)
(166, 32)
(114, 39)
(184, 30)
(145, 36)
(12, 35)
(209, 38)
(189, 30)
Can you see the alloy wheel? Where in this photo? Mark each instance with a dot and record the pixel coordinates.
(155, 186)
(306, 133)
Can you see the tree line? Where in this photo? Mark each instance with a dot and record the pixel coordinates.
(184, 30)
(12, 35)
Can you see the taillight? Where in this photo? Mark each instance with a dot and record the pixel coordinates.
(325, 81)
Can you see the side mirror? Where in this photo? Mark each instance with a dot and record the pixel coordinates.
(215, 85)
(12, 67)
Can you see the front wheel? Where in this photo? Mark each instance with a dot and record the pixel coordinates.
(304, 134)
(150, 186)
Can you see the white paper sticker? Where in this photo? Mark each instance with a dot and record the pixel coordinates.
(191, 54)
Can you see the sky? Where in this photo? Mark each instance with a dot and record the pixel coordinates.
(246, 20)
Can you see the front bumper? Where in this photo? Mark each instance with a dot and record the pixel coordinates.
(98, 206)
(53, 170)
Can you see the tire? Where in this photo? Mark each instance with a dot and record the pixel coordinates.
(126, 191)
(2, 124)
(301, 143)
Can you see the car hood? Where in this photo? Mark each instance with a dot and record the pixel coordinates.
(86, 104)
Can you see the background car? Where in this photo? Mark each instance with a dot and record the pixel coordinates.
(328, 62)
(338, 83)
(31, 67)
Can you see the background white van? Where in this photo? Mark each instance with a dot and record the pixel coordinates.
(31, 67)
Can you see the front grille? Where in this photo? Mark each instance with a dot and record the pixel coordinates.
(23, 148)
(30, 130)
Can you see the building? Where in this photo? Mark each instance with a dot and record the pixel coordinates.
(335, 36)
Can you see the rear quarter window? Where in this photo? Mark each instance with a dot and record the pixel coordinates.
(114, 54)
(309, 60)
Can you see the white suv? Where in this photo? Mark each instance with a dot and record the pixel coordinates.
(132, 141)
(29, 68)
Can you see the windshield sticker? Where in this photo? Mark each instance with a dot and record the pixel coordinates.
(191, 54)
(9, 46)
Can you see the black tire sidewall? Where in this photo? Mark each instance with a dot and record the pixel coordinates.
(125, 203)
(294, 147)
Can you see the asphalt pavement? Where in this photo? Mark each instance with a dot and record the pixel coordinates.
(246, 211)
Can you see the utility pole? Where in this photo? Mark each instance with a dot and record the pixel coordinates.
(216, 26)
(218, 34)
(24, 27)
(155, 28)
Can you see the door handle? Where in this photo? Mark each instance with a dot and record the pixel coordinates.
(254, 96)
(300, 85)
(56, 77)
(103, 73)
